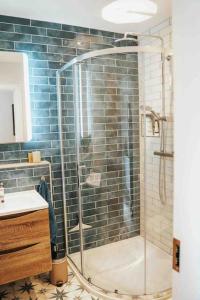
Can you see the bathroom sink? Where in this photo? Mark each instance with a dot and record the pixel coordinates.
(19, 202)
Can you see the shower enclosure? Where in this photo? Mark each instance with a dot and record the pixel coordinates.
(104, 129)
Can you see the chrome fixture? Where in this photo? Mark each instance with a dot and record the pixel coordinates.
(164, 154)
(126, 38)
(133, 36)
(155, 118)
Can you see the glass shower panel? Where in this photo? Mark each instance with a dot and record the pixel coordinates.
(109, 166)
(157, 171)
(68, 96)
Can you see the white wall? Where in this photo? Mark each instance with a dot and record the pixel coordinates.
(186, 40)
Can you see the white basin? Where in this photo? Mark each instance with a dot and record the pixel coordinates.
(16, 203)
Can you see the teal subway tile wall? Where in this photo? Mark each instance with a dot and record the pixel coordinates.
(113, 209)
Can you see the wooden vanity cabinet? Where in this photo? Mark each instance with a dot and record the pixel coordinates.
(24, 245)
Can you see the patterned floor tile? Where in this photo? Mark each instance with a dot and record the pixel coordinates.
(40, 288)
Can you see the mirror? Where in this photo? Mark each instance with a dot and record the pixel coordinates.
(15, 115)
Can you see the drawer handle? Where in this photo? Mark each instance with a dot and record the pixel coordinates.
(15, 250)
(18, 216)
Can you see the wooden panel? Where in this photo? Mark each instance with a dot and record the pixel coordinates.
(24, 230)
(176, 255)
(24, 263)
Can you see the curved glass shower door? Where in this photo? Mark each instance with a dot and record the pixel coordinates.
(118, 227)
(107, 112)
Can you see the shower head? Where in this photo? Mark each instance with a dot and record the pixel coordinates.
(126, 38)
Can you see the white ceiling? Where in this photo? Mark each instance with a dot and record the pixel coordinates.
(86, 13)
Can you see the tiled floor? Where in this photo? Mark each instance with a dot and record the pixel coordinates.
(39, 288)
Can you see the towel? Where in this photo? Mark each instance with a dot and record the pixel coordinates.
(43, 190)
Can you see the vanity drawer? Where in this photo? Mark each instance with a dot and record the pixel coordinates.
(26, 229)
(22, 263)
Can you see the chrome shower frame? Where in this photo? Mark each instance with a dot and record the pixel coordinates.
(78, 60)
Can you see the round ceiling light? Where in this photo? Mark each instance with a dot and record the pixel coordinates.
(129, 11)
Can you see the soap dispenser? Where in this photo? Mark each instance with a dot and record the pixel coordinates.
(2, 193)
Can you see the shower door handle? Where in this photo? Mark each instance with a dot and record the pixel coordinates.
(80, 173)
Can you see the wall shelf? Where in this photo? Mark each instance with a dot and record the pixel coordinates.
(23, 165)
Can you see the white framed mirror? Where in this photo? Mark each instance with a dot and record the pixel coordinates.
(15, 115)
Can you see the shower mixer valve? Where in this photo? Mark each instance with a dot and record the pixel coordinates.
(155, 118)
